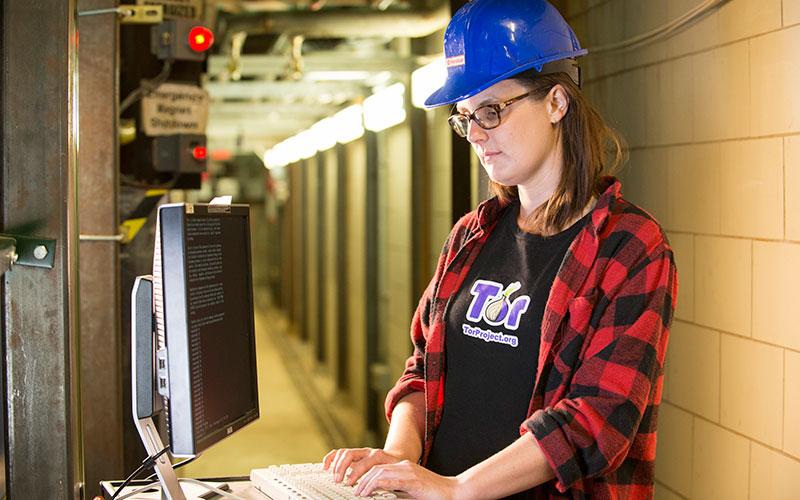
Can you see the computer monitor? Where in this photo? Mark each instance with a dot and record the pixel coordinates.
(193, 333)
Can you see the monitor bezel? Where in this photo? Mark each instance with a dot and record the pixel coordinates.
(181, 425)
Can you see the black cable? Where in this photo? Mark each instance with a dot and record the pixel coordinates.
(176, 466)
(147, 87)
(146, 464)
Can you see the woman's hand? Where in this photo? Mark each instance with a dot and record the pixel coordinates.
(414, 479)
(358, 460)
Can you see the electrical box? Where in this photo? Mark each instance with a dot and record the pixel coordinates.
(180, 153)
(180, 40)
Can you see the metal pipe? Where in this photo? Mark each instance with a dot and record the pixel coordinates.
(119, 11)
(102, 237)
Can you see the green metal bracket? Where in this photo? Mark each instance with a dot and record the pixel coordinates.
(26, 251)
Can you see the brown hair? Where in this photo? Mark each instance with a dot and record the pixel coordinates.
(586, 141)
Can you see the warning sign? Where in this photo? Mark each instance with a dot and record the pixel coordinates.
(185, 9)
(175, 108)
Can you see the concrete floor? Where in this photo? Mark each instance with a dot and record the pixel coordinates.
(286, 431)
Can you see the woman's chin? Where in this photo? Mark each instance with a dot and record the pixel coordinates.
(496, 176)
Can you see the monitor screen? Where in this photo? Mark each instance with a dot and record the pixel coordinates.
(203, 298)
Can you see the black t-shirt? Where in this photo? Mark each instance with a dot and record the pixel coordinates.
(492, 343)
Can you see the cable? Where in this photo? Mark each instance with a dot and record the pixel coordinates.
(146, 464)
(137, 490)
(146, 87)
(660, 32)
(211, 488)
(176, 466)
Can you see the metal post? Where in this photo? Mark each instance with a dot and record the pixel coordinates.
(37, 90)
(320, 342)
(343, 333)
(98, 208)
(373, 417)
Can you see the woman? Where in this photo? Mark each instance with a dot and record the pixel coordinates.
(540, 342)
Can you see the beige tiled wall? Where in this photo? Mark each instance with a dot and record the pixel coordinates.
(791, 167)
(751, 389)
(791, 12)
(791, 407)
(712, 116)
(720, 461)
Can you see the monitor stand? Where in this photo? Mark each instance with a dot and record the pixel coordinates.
(143, 388)
(170, 488)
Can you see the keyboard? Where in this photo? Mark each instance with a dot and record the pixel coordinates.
(309, 482)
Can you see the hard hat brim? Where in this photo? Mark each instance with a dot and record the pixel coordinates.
(456, 89)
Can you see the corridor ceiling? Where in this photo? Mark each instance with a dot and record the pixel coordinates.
(279, 66)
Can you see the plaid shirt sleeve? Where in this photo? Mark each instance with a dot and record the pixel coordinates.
(413, 377)
(597, 393)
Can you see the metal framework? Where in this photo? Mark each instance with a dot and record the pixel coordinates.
(40, 341)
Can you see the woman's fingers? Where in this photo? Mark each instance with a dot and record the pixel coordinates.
(328, 459)
(407, 476)
(357, 460)
(381, 475)
(344, 459)
(366, 463)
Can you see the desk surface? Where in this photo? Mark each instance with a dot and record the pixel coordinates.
(239, 486)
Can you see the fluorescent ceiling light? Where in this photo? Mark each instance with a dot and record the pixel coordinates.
(426, 80)
(348, 124)
(385, 108)
(273, 159)
(280, 155)
(345, 126)
(324, 132)
(305, 144)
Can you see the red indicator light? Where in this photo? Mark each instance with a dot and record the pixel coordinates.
(200, 38)
(199, 153)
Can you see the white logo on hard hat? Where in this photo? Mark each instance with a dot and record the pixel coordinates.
(455, 61)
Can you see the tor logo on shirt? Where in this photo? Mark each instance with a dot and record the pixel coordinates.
(491, 302)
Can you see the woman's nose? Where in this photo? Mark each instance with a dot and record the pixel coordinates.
(475, 133)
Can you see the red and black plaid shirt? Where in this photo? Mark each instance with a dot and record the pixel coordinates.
(604, 337)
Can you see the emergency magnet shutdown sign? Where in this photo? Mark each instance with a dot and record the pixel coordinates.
(174, 108)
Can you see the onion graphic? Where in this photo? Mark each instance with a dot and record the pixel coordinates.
(499, 307)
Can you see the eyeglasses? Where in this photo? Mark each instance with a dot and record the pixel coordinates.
(487, 116)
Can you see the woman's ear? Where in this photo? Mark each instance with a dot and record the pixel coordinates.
(557, 103)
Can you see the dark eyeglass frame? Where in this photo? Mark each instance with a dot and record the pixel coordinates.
(460, 121)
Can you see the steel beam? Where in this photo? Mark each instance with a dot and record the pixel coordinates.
(39, 155)
(98, 184)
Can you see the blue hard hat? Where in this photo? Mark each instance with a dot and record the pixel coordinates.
(490, 40)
